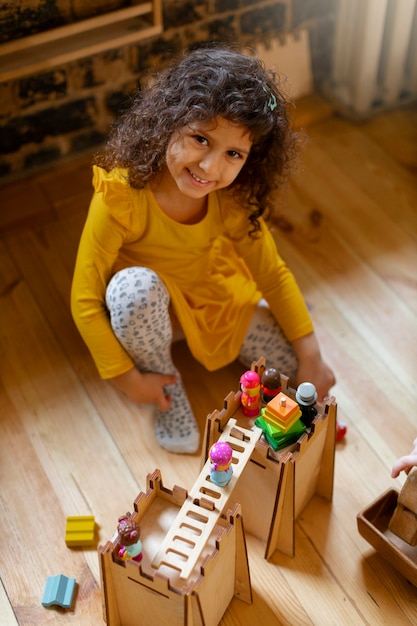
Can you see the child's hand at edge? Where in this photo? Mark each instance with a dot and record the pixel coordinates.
(405, 463)
(311, 366)
(145, 388)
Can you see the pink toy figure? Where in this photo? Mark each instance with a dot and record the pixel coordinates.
(250, 385)
(131, 545)
(221, 459)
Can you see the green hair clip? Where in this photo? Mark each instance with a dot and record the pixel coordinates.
(272, 101)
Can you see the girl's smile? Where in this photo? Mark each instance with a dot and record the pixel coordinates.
(200, 158)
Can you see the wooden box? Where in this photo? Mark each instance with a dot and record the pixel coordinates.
(373, 522)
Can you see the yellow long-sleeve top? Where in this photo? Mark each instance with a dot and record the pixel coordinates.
(214, 272)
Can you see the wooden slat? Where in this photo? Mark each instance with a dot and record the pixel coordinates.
(40, 52)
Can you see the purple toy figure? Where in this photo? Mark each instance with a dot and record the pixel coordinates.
(131, 545)
(250, 385)
(270, 384)
(221, 459)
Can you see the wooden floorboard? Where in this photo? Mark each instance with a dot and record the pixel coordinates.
(71, 445)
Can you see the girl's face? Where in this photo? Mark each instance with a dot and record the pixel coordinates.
(206, 156)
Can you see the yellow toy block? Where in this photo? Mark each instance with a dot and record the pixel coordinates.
(79, 531)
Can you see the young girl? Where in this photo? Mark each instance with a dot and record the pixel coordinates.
(175, 240)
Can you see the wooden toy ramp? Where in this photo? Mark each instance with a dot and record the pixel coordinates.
(189, 533)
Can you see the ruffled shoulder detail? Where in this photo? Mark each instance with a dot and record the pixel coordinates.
(105, 182)
(116, 194)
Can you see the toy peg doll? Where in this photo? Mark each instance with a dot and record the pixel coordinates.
(306, 396)
(250, 385)
(129, 532)
(221, 463)
(270, 384)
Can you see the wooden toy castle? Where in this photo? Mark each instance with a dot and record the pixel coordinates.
(194, 556)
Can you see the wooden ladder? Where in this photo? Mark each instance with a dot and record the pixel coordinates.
(198, 516)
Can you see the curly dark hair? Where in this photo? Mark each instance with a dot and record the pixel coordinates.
(204, 84)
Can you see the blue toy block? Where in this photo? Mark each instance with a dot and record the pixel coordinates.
(59, 590)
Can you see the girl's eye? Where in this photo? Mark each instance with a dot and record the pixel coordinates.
(201, 139)
(234, 154)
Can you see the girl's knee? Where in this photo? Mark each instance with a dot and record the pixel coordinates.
(136, 288)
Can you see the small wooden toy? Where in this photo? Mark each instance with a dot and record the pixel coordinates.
(276, 437)
(306, 396)
(270, 384)
(250, 384)
(79, 531)
(129, 534)
(341, 430)
(403, 523)
(59, 590)
(221, 463)
(281, 411)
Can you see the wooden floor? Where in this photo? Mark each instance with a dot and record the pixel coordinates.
(70, 445)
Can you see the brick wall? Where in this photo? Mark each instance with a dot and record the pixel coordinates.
(64, 111)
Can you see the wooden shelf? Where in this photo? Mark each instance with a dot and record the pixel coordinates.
(43, 51)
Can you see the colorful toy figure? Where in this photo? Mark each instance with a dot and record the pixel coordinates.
(306, 396)
(270, 384)
(221, 463)
(131, 545)
(250, 385)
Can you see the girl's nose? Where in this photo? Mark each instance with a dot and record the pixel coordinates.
(209, 165)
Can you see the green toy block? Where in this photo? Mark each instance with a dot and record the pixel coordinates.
(276, 438)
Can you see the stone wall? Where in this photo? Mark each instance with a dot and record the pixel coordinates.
(67, 110)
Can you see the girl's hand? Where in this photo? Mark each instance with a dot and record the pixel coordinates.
(311, 366)
(145, 388)
(318, 373)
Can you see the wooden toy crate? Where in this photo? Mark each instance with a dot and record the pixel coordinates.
(373, 522)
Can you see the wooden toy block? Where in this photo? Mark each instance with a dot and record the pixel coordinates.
(137, 594)
(79, 531)
(279, 439)
(373, 524)
(404, 520)
(59, 590)
(281, 411)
